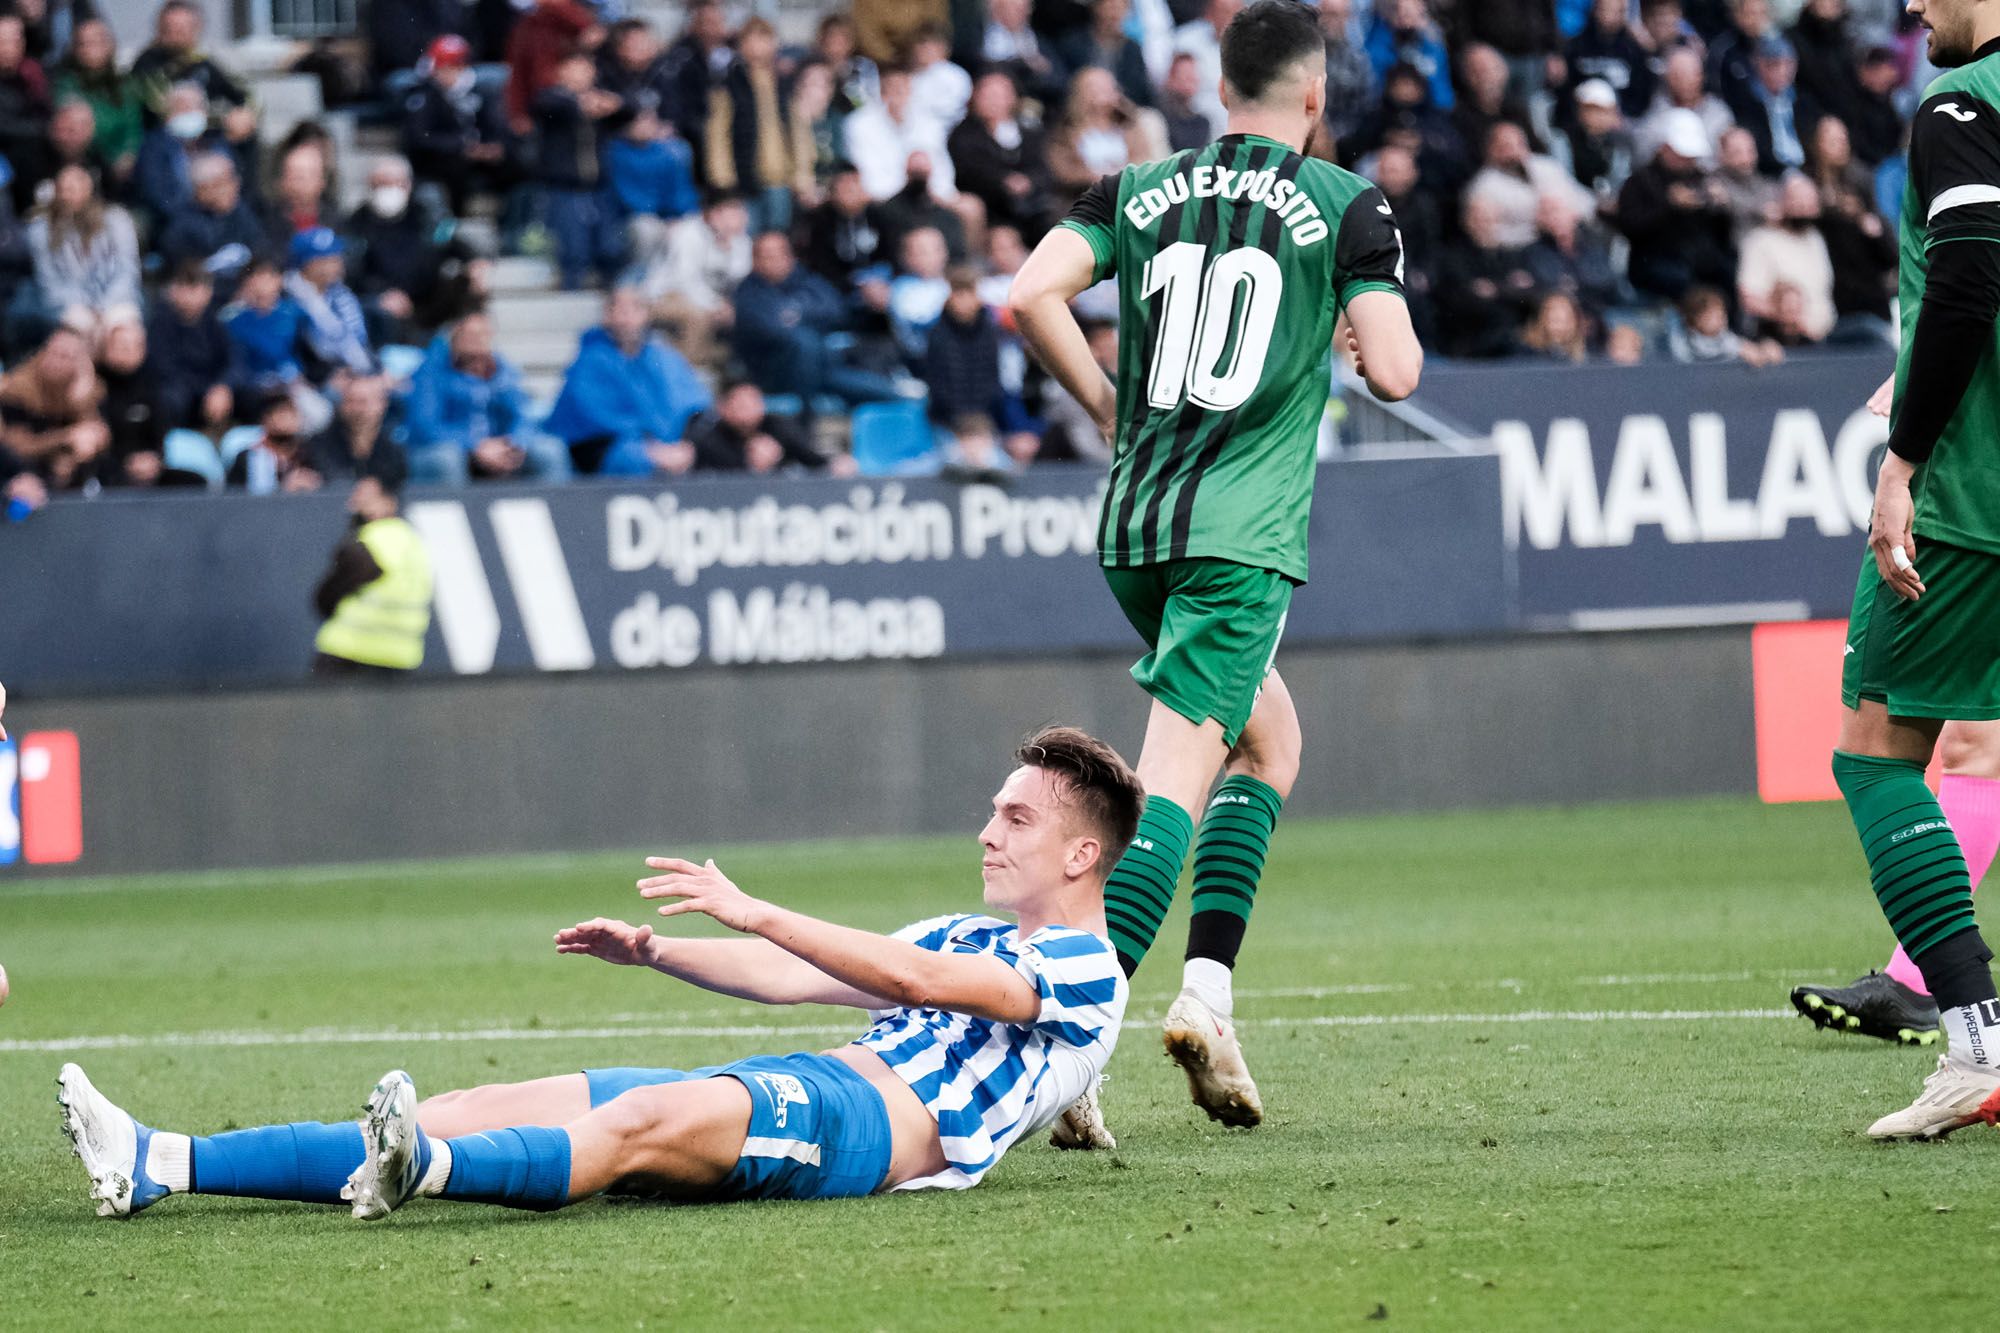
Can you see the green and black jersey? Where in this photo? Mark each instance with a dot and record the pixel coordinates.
(1953, 197)
(1235, 261)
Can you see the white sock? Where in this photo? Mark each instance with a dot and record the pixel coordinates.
(1972, 1034)
(168, 1158)
(432, 1184)
(1209, 980)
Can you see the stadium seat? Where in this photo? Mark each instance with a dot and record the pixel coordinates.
(893, 440)
(190, 451)
(236, 440)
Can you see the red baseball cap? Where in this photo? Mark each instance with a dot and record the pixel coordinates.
(449, 49)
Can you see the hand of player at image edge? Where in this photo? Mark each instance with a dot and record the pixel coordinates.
(3, 709)
(1889, 535)
(1883, 398)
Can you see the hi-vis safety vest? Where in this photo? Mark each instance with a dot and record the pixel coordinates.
(383, 622)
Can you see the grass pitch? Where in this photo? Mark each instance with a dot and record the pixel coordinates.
(1524, 1070)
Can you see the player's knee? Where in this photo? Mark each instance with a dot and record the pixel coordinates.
(443, 1116)
(1277, 769)
(1971, 749)
(641, 1117)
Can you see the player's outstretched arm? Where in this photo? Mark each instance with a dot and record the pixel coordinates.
(897, 971)
(742, 969)
(1062, 268)
(1383, 345)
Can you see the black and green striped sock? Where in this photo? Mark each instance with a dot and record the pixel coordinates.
(1228, 860)
(1141, 887)
(1914, 858)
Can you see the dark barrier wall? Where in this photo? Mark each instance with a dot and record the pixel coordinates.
(179, 591)
(683, 760)
(1655, 494)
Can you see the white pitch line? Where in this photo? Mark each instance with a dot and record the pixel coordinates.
(392, 1036)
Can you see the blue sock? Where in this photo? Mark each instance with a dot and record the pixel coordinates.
(307, 1161)
(520, 1168)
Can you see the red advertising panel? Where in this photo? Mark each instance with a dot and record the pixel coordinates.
(51, 798)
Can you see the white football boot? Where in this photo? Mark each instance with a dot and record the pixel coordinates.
(1082, 1125)
(388, 1173)
(1204, 1046)
(1954, 1096)
(110, 1144)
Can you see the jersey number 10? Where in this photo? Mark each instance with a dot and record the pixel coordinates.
(1238, 295)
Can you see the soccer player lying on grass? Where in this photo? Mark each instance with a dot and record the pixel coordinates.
(982, 1032)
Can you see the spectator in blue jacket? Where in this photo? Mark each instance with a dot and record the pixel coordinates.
(651, 171)
(219, 232)
(266, 331)
(1402, 33)
(468, 415)
(783, 317)
(628, 397)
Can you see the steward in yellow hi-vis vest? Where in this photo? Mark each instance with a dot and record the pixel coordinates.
(376, 598)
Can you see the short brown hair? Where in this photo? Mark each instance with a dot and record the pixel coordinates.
(1095, 779)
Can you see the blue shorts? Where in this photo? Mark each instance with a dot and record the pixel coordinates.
(818, 1130)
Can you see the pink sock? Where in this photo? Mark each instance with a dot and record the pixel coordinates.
(1973, 807)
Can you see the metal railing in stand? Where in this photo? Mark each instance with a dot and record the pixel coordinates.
(1365, 421)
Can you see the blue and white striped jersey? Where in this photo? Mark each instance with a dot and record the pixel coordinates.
(991, 1083)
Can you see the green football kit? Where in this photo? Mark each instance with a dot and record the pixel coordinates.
(1235, 260)
(1939, 656)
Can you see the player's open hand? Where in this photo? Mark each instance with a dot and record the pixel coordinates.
(1883, 398)
(613, 941)
(700, 888)
(1889, 535)
(3, 708)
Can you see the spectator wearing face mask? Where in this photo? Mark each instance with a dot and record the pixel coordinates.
(469, 418)
(164, 178)
(397, 262)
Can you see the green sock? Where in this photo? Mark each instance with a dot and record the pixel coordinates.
(1141, 887)
(1913, 856)
(1228, 860)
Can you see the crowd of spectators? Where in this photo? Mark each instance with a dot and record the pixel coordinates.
(784, 233)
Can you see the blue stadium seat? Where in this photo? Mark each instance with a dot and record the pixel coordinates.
(236, 439)
(191, 451)
(893, 440)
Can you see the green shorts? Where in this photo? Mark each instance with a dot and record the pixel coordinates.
(1938, 656)
(1212, 627)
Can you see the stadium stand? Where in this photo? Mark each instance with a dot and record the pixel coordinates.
(1629, 179)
